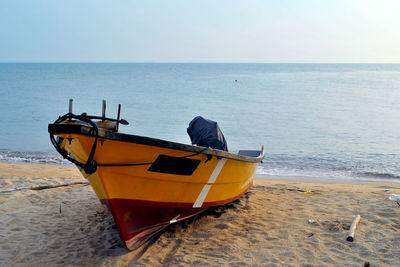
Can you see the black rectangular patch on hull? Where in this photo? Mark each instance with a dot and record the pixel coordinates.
(174, 165)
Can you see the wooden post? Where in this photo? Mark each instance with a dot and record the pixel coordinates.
(71, 101)
(353, 227)
(118, 116)
(104, 110)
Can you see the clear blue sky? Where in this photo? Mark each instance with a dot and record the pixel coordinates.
(200, 31)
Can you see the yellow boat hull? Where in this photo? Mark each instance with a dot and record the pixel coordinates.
(148, 184)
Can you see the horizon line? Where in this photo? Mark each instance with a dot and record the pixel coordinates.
(182, 62)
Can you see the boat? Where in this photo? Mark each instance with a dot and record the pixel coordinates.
(147, 183)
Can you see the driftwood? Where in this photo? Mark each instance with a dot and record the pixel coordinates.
(353, 227)
(41, 187)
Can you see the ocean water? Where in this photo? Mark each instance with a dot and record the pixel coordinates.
(316, 121)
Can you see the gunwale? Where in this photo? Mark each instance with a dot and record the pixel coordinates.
(70, 128)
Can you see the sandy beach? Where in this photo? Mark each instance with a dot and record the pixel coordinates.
(277, 223)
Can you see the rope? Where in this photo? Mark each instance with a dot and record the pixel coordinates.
(90, 166)
(145, 163)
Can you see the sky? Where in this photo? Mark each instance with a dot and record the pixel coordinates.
(271, 31)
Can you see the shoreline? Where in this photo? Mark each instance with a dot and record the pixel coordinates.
(279, 222)
(360, 180)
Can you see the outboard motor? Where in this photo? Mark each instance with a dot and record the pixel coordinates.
(206, 133)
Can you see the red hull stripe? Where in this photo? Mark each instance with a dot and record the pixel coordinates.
(138, 220)
(176, 204)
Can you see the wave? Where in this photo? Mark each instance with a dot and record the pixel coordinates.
(327, 174)
(32, 157)
(378, 175)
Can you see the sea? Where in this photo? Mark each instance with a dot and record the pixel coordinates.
(331, 122)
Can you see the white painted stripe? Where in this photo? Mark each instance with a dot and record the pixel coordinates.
(175, 219)
(204, 192)
(247, 182)
(216, 171)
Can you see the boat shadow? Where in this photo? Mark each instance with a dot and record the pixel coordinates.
(173, 230)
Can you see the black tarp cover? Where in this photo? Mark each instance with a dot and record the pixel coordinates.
(206, 133)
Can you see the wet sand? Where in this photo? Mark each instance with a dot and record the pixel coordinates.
(276, 223)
